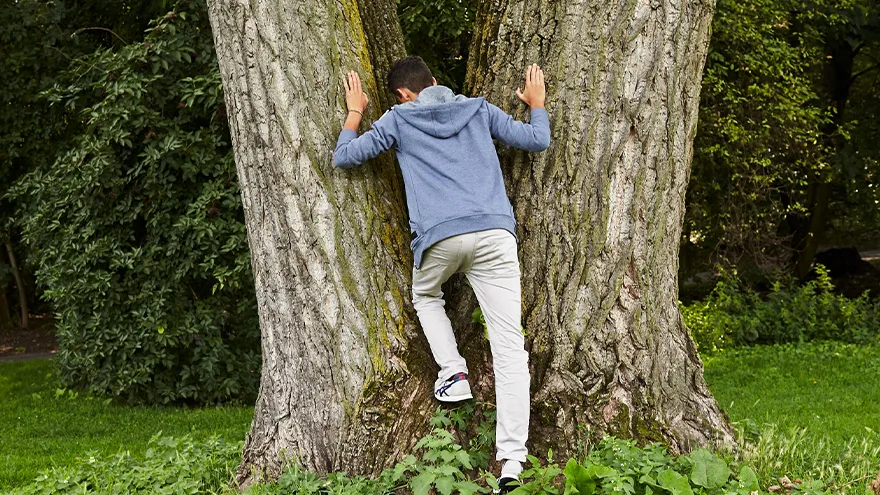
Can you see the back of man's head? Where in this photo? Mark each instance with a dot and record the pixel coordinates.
(409, 73)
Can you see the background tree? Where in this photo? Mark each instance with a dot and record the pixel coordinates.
(777, 159)
(346, 373)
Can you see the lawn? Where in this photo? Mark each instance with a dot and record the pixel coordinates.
(808, 410)
(827, 387)
(42, 428)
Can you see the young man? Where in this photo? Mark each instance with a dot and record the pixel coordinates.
(461, 221)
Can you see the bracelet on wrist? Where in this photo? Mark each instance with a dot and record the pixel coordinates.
(357, 111)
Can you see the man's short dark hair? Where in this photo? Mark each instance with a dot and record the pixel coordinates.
(411, 73)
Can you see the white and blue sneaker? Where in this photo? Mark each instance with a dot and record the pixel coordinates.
(453, 389)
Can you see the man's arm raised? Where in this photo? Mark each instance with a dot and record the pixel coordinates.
(352, 150)
(534, 136)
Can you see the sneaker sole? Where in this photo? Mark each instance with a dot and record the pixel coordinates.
(454, 398)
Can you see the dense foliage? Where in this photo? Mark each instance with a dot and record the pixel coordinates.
(788, 100)
(759, 131)
(40, 40)
(736, 315)
(137, 229)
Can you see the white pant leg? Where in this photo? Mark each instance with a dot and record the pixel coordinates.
(439, 263)
(495, 277)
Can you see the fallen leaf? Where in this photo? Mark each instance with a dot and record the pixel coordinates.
(774, 488)
(875, 484)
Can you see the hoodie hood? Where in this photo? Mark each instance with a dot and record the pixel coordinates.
(439, 112)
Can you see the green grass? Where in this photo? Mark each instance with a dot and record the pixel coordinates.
(40, 430)
(807, 410)
(828, 387)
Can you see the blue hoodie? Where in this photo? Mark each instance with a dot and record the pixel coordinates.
(450, 167)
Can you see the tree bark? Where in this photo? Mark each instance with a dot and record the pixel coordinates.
(385, 41)
(22, 292)
(329, 248)
(600, 213)
(347, 374)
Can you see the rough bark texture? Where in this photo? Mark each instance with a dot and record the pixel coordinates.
(385, 41)
(600, 213)
(342, 384)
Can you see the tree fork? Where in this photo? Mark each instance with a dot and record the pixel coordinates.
(346, 379)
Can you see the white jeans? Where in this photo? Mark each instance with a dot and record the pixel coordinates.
(489, 260)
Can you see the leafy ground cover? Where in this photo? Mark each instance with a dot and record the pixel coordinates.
(43, 425)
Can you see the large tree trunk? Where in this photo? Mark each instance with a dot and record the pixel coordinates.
(346, 379)
(329, 248)
(600, 213)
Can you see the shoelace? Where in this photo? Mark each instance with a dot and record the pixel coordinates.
(450, 382)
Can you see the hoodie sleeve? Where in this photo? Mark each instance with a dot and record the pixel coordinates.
(534, 136)
(352, 149)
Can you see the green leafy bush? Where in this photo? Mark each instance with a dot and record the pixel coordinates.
(618, 466)
(614, 467)
(735, 315)
(137, 232)
(170, 466)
